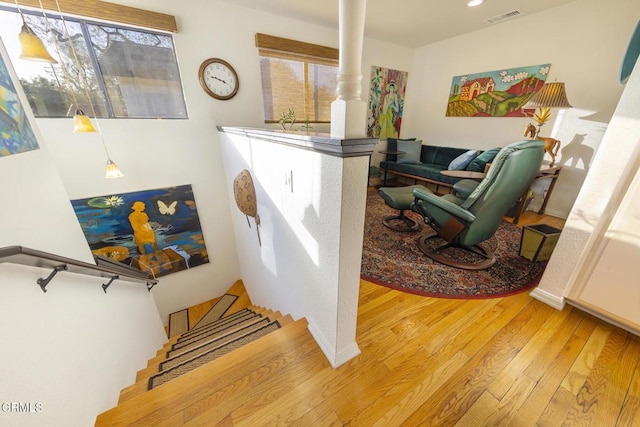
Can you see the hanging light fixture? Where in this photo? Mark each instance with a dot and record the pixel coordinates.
(81, 121)
(32, 47)
(113, 171)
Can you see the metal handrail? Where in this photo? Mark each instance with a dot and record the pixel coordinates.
(104, 267)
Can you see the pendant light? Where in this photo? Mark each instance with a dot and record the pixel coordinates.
(82, 123)
(32, 47)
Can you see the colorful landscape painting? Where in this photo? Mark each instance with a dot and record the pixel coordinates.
(386, 102)
(157, 231)
(16, 134)
(500, 93)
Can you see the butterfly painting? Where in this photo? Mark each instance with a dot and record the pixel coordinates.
(167, 210)
(157, 231)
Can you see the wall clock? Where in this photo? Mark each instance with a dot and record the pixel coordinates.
(218, 78)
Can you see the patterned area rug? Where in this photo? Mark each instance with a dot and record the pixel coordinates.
(393, 259)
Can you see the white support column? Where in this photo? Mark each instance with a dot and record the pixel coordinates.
(349, 112)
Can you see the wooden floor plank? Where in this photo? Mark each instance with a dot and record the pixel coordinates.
(630, 414)
(550, 381)
(478, 413)
(534, 346)
(583, 365)
(602, 395)
(424, 361)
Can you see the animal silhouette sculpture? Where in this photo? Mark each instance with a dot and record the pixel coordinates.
(530, 131)
(551, 145)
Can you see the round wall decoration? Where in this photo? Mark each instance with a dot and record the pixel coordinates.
(218, 79)
(244, 192)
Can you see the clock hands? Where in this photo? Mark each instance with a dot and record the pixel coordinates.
(217, 78)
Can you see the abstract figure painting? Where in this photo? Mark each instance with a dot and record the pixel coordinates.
(499, 93)
(157, 231)
(386, 102)
(16, 133)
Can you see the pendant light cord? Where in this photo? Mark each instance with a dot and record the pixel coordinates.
(64, 68)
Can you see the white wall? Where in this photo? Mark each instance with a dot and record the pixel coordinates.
(158, 153)
(584, 41)
(579, 248)
(73, 348)
(299, 267)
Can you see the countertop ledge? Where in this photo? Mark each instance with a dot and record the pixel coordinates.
(320, 142)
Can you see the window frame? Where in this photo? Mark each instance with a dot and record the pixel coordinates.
(83, 23)
(307, 53)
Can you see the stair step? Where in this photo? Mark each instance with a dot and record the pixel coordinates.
(206, 357)
(178, 323)
(209, 386)
(217, 311)
(195, 330)
(217, 335)
(154, 365)
(141, 385)
(195, 334)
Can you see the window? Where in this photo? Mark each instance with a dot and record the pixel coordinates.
(297, 75)
(128, 72)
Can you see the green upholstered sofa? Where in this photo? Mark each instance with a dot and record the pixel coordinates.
(433, 160)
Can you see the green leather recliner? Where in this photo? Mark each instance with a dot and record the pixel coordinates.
(466, 222)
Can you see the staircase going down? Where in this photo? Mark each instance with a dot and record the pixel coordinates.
(195, 368)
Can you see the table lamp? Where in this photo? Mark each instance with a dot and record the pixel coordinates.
(552, 95)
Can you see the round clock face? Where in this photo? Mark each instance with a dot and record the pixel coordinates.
(218, 78)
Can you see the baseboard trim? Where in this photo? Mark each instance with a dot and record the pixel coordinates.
(344, 355)
(336, 359)
(548, 298)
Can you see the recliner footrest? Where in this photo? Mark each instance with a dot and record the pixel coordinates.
(399, 198)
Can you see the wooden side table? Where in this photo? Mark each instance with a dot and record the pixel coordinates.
(463, 174)
(544, 173)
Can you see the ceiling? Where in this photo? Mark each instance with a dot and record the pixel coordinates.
(410, 23)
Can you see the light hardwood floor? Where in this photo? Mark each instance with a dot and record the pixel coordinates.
(510, 361)
(506, 361)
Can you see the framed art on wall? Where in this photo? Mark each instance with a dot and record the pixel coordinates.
(157, 231)
(386, 102)
(499, 93)
(16, 132)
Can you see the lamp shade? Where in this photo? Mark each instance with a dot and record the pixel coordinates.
(552, 95)
(32, 47)
(112, 170)
(82, 123)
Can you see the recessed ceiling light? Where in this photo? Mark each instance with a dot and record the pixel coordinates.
(473, 3)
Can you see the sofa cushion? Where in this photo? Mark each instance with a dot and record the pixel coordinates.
(463, 160)
(478, 164)
(392, 145)
(411, 151)
(444, 155)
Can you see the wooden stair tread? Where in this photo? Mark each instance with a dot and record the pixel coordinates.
(173, 340)
(154, 368)
(163, 401)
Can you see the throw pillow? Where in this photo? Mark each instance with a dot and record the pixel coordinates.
(411, 151)
(461, 162)
(478, 164)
